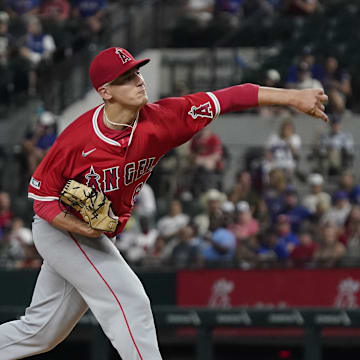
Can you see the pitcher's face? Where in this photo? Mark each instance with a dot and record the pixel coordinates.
(128, 90)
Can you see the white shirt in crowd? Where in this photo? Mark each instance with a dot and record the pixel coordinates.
(170, 225)
(282, 156)
(311, 201)
(145, 202)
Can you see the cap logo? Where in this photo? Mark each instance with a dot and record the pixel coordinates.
(124, 58)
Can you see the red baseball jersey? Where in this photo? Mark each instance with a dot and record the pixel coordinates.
(120, 167)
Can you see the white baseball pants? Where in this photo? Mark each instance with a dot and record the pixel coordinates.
(79, 272)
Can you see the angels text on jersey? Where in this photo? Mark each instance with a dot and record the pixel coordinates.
(133, 171)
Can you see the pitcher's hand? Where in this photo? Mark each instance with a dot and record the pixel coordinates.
(311, 102)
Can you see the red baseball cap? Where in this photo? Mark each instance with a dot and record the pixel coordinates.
(110, 63)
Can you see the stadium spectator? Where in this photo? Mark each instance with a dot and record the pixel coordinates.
(247, 253)
(274, 192)
(340, 210)
(286, 240)
(264, 9)
(229, 11)
(38, 141)
(306, 56)
(297, 213)
(322, 208)
(6, 217)
(135, 243)
(37, 47)
(262, 215)
(55, 15)
(347, 184)
(334, 151)
(156, 256)
(218, 246)
(244, 225)
(88, 21)
(283, 149)
(200, 11)
(185, 253)
(268, 240)
(19, 10)
(317, 195)
(56, 10)
(272, 78)
(303, 254)
(6, 214)
(228, 208)
(351, 226)
(330, 250)
(208, 219)
(305, 79)
(145, 204)
(302, 7)
(20, 7)
(242, 190)
(3, 248)
(7, 45)
(20, 244)
(169, 225)
(350, 237)
(31, 260)
(337, 84)
(206, 161)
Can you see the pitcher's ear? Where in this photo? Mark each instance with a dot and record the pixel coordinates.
(104, 92)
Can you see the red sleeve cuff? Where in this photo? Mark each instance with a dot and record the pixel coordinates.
(47, 210)
(237, 98)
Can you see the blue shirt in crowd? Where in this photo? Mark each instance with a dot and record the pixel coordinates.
(89, 7)
(281, 248)
(23, 6)
(224, 238)
(297, 216)
(35, 43)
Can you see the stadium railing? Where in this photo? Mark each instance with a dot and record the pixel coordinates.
(204, 320)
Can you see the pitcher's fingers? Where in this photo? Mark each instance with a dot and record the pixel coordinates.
(320, 114)
(321, 107)
(323, 98)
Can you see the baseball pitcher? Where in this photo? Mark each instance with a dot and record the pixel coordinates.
(84, 191)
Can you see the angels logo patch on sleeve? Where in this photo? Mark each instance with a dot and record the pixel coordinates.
(203, 110)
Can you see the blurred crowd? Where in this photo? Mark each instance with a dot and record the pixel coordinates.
(248, 228)
(275, 212)
(234, 11)
(227, 15)
(311, 71)
(36, 34)
(284, 207)
(308, 42)
(16, 246)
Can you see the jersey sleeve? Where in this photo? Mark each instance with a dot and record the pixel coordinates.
(47, 210)
(50, 176)
(179, 118)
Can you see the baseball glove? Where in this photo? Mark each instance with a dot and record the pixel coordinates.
(93, 205)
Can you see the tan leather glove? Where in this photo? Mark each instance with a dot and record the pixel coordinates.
(93, 205)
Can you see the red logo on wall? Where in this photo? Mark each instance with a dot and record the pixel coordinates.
(269, 288)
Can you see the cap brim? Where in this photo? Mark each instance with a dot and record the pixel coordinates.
(134, 64)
